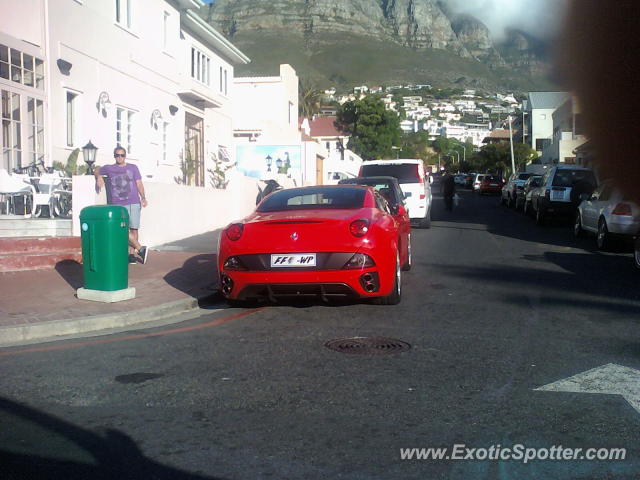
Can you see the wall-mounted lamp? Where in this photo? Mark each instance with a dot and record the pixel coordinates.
(156, 117)
(104, 103)
(173, 109)
(64, 66)
(89, 155)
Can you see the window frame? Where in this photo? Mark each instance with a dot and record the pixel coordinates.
(129, 144)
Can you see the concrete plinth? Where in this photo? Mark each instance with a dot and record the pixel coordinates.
(106, 297)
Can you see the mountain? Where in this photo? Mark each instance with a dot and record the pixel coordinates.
(351, 42)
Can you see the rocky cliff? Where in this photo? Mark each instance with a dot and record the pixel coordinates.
(417, 25)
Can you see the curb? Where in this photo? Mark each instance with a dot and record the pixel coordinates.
(13, 334)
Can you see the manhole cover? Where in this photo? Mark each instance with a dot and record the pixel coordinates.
(367, 345)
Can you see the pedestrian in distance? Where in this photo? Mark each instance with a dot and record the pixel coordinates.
(125, 188)
(448, 190)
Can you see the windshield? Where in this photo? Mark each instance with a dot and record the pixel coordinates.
(405, 173)
(569, 178)
(314, 198)
(524, 176)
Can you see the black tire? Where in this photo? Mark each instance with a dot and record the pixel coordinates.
(426, 221)
(540, 217)
(578, 232)
(396, 294)
(603, 238)
(62, 206)
(407, 266)
(636, 252)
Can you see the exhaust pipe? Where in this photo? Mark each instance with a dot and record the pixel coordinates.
(369, 282)
(227, 284)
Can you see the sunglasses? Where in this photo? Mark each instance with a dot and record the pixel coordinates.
(116, 155)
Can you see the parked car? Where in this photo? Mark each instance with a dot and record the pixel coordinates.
(477, 180)
(460, 179)
(468, 181)
(511, 188)
(559, 192)
(523, 197)
(413, 182)
(329, 241)
(491, 184)
(390, 190)
(609, 215)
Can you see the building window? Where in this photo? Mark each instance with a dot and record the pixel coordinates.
(123, 12)
(165, 30)
(165, 127)
(71, 118)
(21, 67)
(124, 128)
(200, 66)
(35, 117)
(11, 131)
(542, 143)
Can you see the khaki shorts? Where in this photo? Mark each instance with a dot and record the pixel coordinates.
(134, 215)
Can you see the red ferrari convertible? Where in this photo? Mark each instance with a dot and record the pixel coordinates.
(336, 241)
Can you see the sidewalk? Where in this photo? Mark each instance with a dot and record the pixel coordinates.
(42, 303)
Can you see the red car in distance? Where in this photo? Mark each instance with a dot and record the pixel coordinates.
(332, 241)
(491, 184)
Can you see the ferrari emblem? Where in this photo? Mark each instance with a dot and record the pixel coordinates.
(294, 236)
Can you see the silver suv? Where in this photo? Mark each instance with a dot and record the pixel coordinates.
(510, 190)
(560, 191)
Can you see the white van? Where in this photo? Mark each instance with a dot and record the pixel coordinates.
(413, 181)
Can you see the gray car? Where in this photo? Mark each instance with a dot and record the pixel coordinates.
(608, 215)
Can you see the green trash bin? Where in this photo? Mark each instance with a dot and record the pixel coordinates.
(105, 247)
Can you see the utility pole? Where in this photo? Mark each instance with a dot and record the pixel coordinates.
(513, 162)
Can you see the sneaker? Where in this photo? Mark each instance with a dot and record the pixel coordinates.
(144, 253)
(132, 259)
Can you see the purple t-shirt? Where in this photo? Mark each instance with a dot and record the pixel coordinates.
(121, 184)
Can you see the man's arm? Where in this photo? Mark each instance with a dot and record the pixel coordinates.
(99, 179)
(143, 198)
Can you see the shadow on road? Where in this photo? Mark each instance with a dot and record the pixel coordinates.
(37, 445)
(197, 277)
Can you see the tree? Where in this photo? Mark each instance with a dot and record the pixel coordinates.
(496, 157)
(309, 98)
(373, 129)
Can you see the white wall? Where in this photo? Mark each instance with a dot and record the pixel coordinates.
(176, 211)
(23, 20)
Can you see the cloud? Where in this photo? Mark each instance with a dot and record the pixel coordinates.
(539, 18)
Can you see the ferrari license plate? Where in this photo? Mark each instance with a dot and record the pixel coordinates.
(293, 260)
(557, 195)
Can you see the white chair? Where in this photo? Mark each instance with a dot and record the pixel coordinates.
(51, 194)
(14, 186)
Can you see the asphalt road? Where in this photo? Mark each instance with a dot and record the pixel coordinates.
(494, 308)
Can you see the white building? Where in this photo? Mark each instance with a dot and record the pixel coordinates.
(267, 138)
(538, 113)
(151, 76)
(568, 134)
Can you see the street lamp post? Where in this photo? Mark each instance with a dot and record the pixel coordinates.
(464, 153)
(397, 149)
(269, 160)
(513, 162)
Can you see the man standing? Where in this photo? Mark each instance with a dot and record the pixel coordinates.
(125, 188)
(448, 190)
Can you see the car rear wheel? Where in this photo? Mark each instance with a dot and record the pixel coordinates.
(577, 226)
(407, 266)
(396, 293)
(636, 252)
(603, 239)
(426, 221)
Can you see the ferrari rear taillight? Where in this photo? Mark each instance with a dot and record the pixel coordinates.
(359, 228)
(422, 196)
(234, 231)
(622, 209)
(359, 260)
